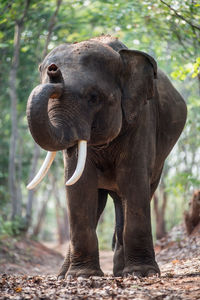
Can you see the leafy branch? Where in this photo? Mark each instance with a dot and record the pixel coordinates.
(180, 16)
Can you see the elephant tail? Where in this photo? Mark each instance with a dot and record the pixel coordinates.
(119, 221)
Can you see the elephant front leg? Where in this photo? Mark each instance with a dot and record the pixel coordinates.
(82, 200)
(139, 256)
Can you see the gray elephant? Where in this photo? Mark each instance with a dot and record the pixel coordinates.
(123, 117)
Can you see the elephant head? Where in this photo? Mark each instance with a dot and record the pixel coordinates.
(87, 90)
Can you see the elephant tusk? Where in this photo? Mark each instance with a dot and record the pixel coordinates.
(82, 153)
(43, 170)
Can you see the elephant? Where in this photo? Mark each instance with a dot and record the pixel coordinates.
(116, 117)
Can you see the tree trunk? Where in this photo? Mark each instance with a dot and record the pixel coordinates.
(192, 217)
(59, 218)
(31, 194)
(41, 215)
(13, 185)
(160, 209)
(19, 176)
(61, 215)
(36, 152)
(51, 27)
(160, 216)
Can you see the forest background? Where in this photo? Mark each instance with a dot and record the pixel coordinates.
(29, 29)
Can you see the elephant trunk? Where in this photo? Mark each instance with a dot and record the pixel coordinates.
(43, 131)
(53, 127)
(43, 104)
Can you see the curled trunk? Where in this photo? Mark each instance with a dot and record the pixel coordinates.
(43, 131)
(53, 123)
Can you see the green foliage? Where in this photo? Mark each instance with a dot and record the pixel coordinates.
(12, 228)
(191, 69)
(196, 68)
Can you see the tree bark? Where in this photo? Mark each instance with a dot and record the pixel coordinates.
(160, 216)
(31, 194)
(41, 215)
(59, 219)
(36, 152)
(61, 215)
(51, 27)
(12, 181)
(160, 210)
(192, 217)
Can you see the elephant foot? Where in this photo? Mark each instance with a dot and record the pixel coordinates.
(143, 270)
(118, 261)
(78, 272)
(84, 272)
(60, 277)
(117, 272)
(65, 266)
(63, 270)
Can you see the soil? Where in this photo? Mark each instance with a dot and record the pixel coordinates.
(28, 270)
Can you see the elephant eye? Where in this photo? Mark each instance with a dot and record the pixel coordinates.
(93, 98)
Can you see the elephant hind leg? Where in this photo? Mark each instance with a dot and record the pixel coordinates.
(119, 220)
(102, 200)
(118, 260)
(117, 242)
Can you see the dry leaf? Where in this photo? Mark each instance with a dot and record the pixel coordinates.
(18, 289)
(175, 261)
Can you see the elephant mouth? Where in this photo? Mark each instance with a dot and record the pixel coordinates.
(81, 146)
(100, 147)
(72, 149)
(82, 154)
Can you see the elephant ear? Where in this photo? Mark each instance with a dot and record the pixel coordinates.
(137, 80)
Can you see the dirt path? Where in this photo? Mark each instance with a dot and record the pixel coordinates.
(28, 271)
(180, 280)
(106, 257)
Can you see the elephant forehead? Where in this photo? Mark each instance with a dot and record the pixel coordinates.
(96, 57)
(84, 50)
(87, 54)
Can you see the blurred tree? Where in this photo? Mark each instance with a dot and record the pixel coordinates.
(14, 187)
(192, 217)
(160, 204)
(41, 214)
(36, 148)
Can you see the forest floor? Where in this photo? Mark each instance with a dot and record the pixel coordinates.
(28, 271)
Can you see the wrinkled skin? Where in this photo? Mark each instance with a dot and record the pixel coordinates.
(131, 116)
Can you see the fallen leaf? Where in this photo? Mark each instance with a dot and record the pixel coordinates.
(18, 289)
(175, 261)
